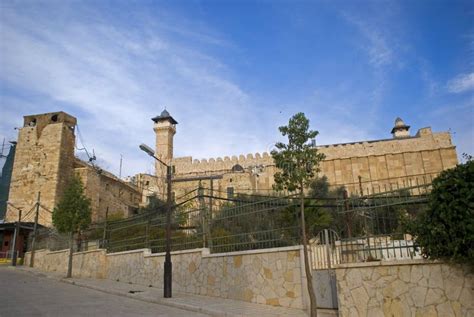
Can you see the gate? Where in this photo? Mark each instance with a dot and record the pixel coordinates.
(324, 257)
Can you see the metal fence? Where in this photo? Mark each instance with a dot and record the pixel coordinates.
(363, 228)
(241, 223)
(371, 228)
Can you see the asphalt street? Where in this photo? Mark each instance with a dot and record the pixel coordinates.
(25, 294)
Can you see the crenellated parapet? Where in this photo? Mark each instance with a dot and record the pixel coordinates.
(189, 165)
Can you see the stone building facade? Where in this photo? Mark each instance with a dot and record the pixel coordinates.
(361, 167)
(45, 162)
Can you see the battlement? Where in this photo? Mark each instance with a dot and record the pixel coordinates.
(425, 139)
(188, 164)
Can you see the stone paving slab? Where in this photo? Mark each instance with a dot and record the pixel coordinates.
(208, 305)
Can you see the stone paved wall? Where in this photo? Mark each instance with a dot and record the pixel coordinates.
(91, 264)
(273, 276)
(409, 288)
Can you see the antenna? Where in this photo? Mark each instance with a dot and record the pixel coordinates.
(120, 170)
(3, 147)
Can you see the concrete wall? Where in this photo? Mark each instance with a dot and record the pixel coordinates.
(405, 288)
(270, 276)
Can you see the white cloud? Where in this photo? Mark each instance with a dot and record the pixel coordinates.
(376, 45)
(461, 83)
(115, 78)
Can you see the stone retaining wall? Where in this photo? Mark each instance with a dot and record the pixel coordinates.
(405, 288)
(84, 264)
(269, 276)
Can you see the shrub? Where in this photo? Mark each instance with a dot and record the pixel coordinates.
(446, 230)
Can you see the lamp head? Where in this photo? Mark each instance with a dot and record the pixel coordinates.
(148, 150)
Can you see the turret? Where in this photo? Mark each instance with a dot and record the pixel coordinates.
(400, 130)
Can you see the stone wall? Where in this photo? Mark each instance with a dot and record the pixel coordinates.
(43, 163)
(91, 264)
(405, 288)
(108, 193)
(269, 276)
(378, 166)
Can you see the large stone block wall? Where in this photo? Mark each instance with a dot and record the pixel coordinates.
(409, 288)
(108, 193)
(381, 165)
(43, 163)
(273, 276)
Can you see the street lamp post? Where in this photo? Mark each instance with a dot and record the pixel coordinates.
(168, 265)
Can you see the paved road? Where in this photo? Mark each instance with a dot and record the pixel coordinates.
(24, 294)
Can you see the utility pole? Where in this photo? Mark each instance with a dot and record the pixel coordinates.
(35, 231)
(120, 170)
(104, 236)
(202, 213)
(17, 231)
(168, 264)
(209, 218)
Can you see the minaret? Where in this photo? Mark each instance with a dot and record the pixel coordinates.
(165, 129)
(400, 130)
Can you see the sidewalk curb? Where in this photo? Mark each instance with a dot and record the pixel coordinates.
(160, 301)
(210, 312)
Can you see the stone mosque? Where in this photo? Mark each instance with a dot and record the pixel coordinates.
(43, 162)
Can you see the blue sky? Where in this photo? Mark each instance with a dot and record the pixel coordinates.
(231, 72)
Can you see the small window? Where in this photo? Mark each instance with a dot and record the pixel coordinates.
(147, 183)
(6, 243)
(230, 192)
(54, 118)
(237, 168)
(106, 186)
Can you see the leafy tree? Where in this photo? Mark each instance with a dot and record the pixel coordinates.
(72, 214)
(155, 205)
(324, 200)
(252, 222)
(446, 230)
(298, 162)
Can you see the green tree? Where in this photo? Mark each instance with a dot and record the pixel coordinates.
(446, 230)
(72, 214)
(297, 163)
(155, 205)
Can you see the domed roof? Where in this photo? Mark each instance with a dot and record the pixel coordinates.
(165, 115)
(399, 122)
(400, 125)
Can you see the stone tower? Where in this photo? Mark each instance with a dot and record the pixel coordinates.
(400, 130)
(165, 129)
(44, 162)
